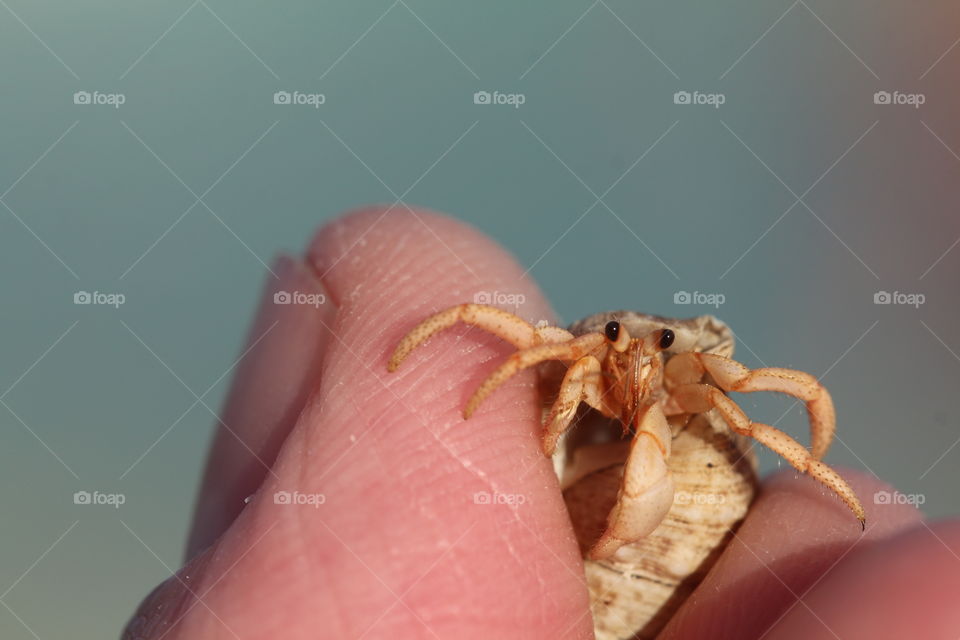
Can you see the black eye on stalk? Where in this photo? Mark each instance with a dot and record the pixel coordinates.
(666, 339)
(612, 330)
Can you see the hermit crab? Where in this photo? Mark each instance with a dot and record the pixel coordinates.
(653, 375)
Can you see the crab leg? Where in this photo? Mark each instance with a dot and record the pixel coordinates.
(571, 350)
(580, 384)
(730, 375)
(502, 324)
(646, 490)
(700, 398)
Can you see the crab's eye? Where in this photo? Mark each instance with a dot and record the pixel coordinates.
(666, 338)
(612, 330)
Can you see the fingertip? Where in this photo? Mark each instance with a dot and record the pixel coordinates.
(397, 470)
(794, 533)
(789, 496)
(388, 269)
(905, 586)
(273, 375)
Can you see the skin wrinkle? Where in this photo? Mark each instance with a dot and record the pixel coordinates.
(456, 456)
(444, 545)
(324, 393)
(345, 603)
(396, 262)
(539, 575)
(492, 486)
(468, 466)
(315, 400)
(457, 382)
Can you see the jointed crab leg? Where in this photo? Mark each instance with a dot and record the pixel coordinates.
(502, 324)
(730, 375)
(581, 383)
(574, 349)
(700, 398)
(646, 489)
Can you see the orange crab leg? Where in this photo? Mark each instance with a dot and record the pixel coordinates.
(730, 375)
(502, 324)
(580, 384)
(571, 350)
(700, 398)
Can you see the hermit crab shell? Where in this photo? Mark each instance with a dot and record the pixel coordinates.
(634, 593)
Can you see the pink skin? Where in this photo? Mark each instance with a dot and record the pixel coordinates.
(400, 549)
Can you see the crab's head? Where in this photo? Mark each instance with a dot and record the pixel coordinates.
(634, 365)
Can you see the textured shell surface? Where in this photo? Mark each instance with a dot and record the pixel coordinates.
(634, 593)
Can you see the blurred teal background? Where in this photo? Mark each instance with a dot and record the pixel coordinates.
(105, 199)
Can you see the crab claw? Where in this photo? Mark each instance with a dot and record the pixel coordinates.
(646, 489)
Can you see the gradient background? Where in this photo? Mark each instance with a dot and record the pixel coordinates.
(93, 200)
